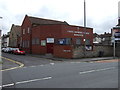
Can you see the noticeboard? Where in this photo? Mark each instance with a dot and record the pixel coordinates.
(50, 40)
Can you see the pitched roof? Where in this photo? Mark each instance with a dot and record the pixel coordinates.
(41, 21)
(102, 35)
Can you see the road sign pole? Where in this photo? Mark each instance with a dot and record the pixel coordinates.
(114, 48)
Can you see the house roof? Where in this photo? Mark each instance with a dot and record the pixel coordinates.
(117, 27)
(41, 21)
(102, 35)
(105, 35)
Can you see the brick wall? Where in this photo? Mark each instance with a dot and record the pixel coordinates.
(118, 50)
(78, 52)
(63, 51)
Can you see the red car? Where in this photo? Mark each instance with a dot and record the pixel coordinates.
(18, 51)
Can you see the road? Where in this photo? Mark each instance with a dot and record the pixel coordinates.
(27, 60)
(63, 75)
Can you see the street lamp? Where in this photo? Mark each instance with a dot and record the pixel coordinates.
(84, 28)
(0, 43)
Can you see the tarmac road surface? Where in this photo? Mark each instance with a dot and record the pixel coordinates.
(64, 75)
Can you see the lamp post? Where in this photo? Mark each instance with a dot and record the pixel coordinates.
(0, 44)
(84, 28)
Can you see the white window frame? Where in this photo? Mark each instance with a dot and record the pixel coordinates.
(23, 31)
(28, 30)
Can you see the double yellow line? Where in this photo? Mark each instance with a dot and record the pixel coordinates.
(20, 64)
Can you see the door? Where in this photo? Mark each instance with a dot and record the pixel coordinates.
(50, 47)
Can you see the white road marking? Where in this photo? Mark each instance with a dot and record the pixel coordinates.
(52, 63)
(33, 80)
(7, 85)
(85, 72)
(27, 81)
(41, 65)
(32, 66)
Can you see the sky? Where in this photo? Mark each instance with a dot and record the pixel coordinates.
(101, 15)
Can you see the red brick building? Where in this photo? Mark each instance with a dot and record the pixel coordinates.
(41, 36)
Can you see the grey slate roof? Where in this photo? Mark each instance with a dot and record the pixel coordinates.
(41, 21)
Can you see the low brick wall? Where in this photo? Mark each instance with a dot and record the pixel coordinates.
(78, 51)
(63, 51)
(118, 50)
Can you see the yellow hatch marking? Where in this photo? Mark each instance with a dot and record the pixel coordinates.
(19, 63)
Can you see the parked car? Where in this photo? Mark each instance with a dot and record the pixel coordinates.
(3, 49)
(19, 51)
(6, 50)
(13, 49)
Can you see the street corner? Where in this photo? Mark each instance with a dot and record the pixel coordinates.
(107, 61)
(9, 64)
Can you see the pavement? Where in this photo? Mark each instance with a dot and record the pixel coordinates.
(49, 56)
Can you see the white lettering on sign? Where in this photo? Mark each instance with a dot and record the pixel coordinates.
(70, 31)
(77, 33)
(66, 50)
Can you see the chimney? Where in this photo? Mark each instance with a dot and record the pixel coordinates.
(119, 21)
(105, 33)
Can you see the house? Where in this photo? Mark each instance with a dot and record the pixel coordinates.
(106, 38)
(96, 38)
(42, 36)
(116, 37)
(102, 39)
(116, 32)
(5, 40)
(15, 33)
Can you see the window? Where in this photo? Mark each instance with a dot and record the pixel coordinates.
(64, 41)
(87, 41)
(78, 41)
(23, 44)
(35, 41)
(28, 30)
(28, 43)
(68, 41)
(43, 42)
(23, 31)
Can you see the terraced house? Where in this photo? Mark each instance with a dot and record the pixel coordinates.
(15, 33)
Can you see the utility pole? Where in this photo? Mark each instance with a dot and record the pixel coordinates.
(114, 48)
(84, 28)
(0, 45)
